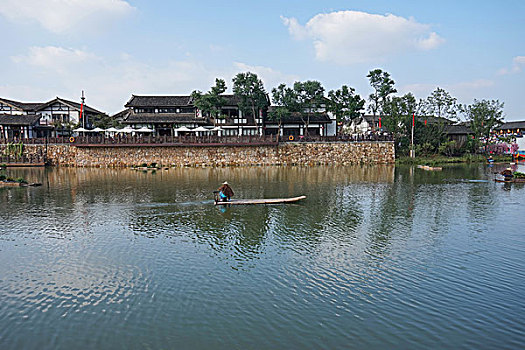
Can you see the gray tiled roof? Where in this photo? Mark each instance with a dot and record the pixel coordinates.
(295, 118)
(75, 105)
(457, 129)
(122, 114)
(25, 106)
(19, 120)
(512, 125)
(160, 118)
(171, 101)
(36, 106)
(158, 101)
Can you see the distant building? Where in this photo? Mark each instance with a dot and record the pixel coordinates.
(458, 133)
(297, 124)
(165, 114)
(511, 128)
(40, 119)
(362, 125)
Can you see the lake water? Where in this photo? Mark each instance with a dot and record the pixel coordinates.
(376, 257)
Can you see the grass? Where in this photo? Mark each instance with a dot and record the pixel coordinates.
(440, 160)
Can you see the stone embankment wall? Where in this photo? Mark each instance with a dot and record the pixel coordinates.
(335, 153)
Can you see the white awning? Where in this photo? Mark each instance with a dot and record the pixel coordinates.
(144, 129)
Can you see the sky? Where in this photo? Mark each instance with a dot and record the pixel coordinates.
(111, 49)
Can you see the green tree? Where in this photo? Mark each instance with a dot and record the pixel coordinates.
(284, 101)
(441, 104)
(345, 104)
(397, 114)
(397, 119)
(309, 98)
(104, 121)
(252, 95)
(211, 102)
(383, 87)
(483, 117)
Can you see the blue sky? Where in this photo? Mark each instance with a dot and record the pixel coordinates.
(114, 48)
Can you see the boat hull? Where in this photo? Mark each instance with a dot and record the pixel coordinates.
(519, 181)
(261, 201)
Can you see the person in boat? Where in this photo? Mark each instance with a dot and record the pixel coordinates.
(225, 192)
(507, 174)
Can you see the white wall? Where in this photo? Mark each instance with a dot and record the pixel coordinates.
(521, 143)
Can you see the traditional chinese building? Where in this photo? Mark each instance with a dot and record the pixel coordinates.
(40, 119)
(298, 125)
(165, 114)
(516, 128)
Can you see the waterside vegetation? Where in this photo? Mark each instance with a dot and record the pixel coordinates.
(441, 159)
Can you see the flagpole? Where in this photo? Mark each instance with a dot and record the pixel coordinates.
(412, 155)
(82, 110)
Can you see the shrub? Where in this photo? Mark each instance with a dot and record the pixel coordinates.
(447, 148)
(21, 180)
(3, 177)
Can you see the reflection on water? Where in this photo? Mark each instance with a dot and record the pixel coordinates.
(376, 256)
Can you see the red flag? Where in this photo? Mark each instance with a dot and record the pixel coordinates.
(425, 122)
(413, 119)
(379, 122)
(81, 108)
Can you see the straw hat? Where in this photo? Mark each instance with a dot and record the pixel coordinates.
(225, 183)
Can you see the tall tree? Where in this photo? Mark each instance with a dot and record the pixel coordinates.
(383, 87)
(397, 118)
(252, 95)
(284, 101)
(211, 102)
(442, 105)
(483, 116)
(309, 98)
(345, 104)
(397, 114)
(104, 121)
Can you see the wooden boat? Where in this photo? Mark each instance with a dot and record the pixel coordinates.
(514, 180)
(430, 168)
(261, 201)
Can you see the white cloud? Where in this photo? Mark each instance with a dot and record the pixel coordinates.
(109, 82)
(296, 30)
(347, 37)
(474, 84)
(269, 76)
(518, 63)
(55, 58)
(59, 16)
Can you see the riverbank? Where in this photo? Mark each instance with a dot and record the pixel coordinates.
(441, 160)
